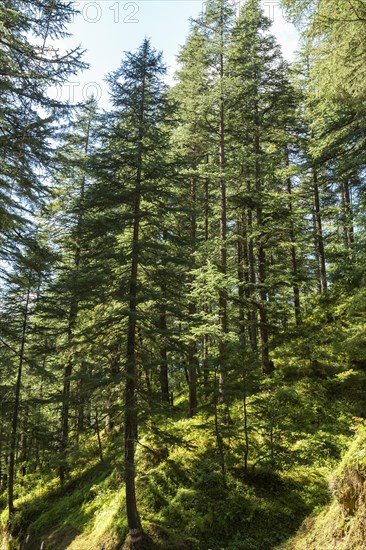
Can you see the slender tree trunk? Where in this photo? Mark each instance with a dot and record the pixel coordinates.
(97, 430)
(206, 363)
(80, 407)
(219, 440)
(245, 421)
(241, 279)
(252, 315)
(263, 324)
(15, 420)
(319, 233)
(113, 372)
(192, 371)
(1, 459)
(24, 443)
(348, 232)
(164, 380)
(316, 254)
(73, 313)
(131, 421)
(206, 340)
(295, 274)
(223, 227)
(241, 315)
(131, 418)
(192, 347)
(163, 329)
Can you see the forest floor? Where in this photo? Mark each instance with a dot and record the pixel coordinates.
(184, 501)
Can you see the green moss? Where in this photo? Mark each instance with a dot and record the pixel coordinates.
(342, 524)
(183, 499)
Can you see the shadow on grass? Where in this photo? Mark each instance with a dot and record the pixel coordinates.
(259, 511)
(58, 516)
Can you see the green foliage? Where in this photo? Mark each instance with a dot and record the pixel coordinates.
(200, 252)
(342, 523)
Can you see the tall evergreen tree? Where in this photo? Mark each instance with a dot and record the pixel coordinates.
(134, 167)
(258, 101)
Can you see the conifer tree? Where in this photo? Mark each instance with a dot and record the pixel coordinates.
(258, 95)
(30, 64)
(67, 232)
(22, 293)
(132, 170)
(201, 92)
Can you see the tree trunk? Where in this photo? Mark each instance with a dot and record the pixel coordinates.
(164, 380)
(319, 233)
(219, 440)
(223, 226)
(295, 274)
(263, 324)
(131, 418)
(192, 347)
(15, 420)
(192, 371)
(252, 314)
(73, 313)
(348, 232)
(241, 282)
(206, 340)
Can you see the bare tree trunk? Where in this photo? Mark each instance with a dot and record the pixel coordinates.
(241, 279)
(192, 371)
(245, 421)
(24, 443)
(219, 440)
(241, 314)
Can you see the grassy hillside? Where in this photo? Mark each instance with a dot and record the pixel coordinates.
(184, 501)
(299, 425)
(342, 524)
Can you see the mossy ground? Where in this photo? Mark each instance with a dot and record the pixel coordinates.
(183, 499)
(342, 524)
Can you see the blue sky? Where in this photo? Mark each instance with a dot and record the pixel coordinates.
(107, 28)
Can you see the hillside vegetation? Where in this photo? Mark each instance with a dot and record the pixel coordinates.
(342, 524)
(185, 503)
